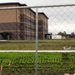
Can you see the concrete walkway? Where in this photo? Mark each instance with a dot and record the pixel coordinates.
(38, 51)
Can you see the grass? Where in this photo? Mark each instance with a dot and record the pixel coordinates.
(26, 58)
(42, 44)
(48, 63)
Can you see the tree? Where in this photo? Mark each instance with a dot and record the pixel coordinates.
(60, 33)
(72, 35)
(64, 33)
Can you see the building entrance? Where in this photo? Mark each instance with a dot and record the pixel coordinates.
(5, 35)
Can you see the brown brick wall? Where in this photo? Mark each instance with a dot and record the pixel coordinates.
(43, 28)
(8, 5)
(27, 17)
(7, 16)
(21, 23)
(42, 25)
(10, 27)
(18, 31)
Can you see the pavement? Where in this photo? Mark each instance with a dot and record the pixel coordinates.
(37, 51)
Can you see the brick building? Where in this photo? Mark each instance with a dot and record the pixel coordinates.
(42, 25)
(19, 24)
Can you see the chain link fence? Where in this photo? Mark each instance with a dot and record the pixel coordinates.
(56, 30)
(61, 28)
(23, 63)
(53, 29)
(17, 28)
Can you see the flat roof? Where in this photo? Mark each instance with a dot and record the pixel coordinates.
(16, 3)
(43, 14)
(13, 3)
(19, 4)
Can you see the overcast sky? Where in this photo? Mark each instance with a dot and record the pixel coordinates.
(41, 2)
(60, 19)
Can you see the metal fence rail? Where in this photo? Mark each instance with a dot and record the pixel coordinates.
(53, 28)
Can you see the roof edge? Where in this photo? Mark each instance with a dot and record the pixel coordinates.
(8, 3)
(43, 14)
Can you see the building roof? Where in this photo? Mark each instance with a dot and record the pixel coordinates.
(13, 3)
(43, 14)
(16, 3)
(19, 4)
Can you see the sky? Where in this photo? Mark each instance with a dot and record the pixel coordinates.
(60, 19)
(41, 2)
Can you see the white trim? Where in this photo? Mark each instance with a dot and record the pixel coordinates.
(21, 7)
(38, 51)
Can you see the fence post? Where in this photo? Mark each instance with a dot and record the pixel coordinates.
(36, 55)
(1, 68)
(9, 63)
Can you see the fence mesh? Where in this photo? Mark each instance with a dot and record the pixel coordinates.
(17, 27)
(17, 24)
(61, 28)
(56, 31)
(23, 63)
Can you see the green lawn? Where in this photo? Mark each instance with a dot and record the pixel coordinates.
(49, 63)
(42, 44)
